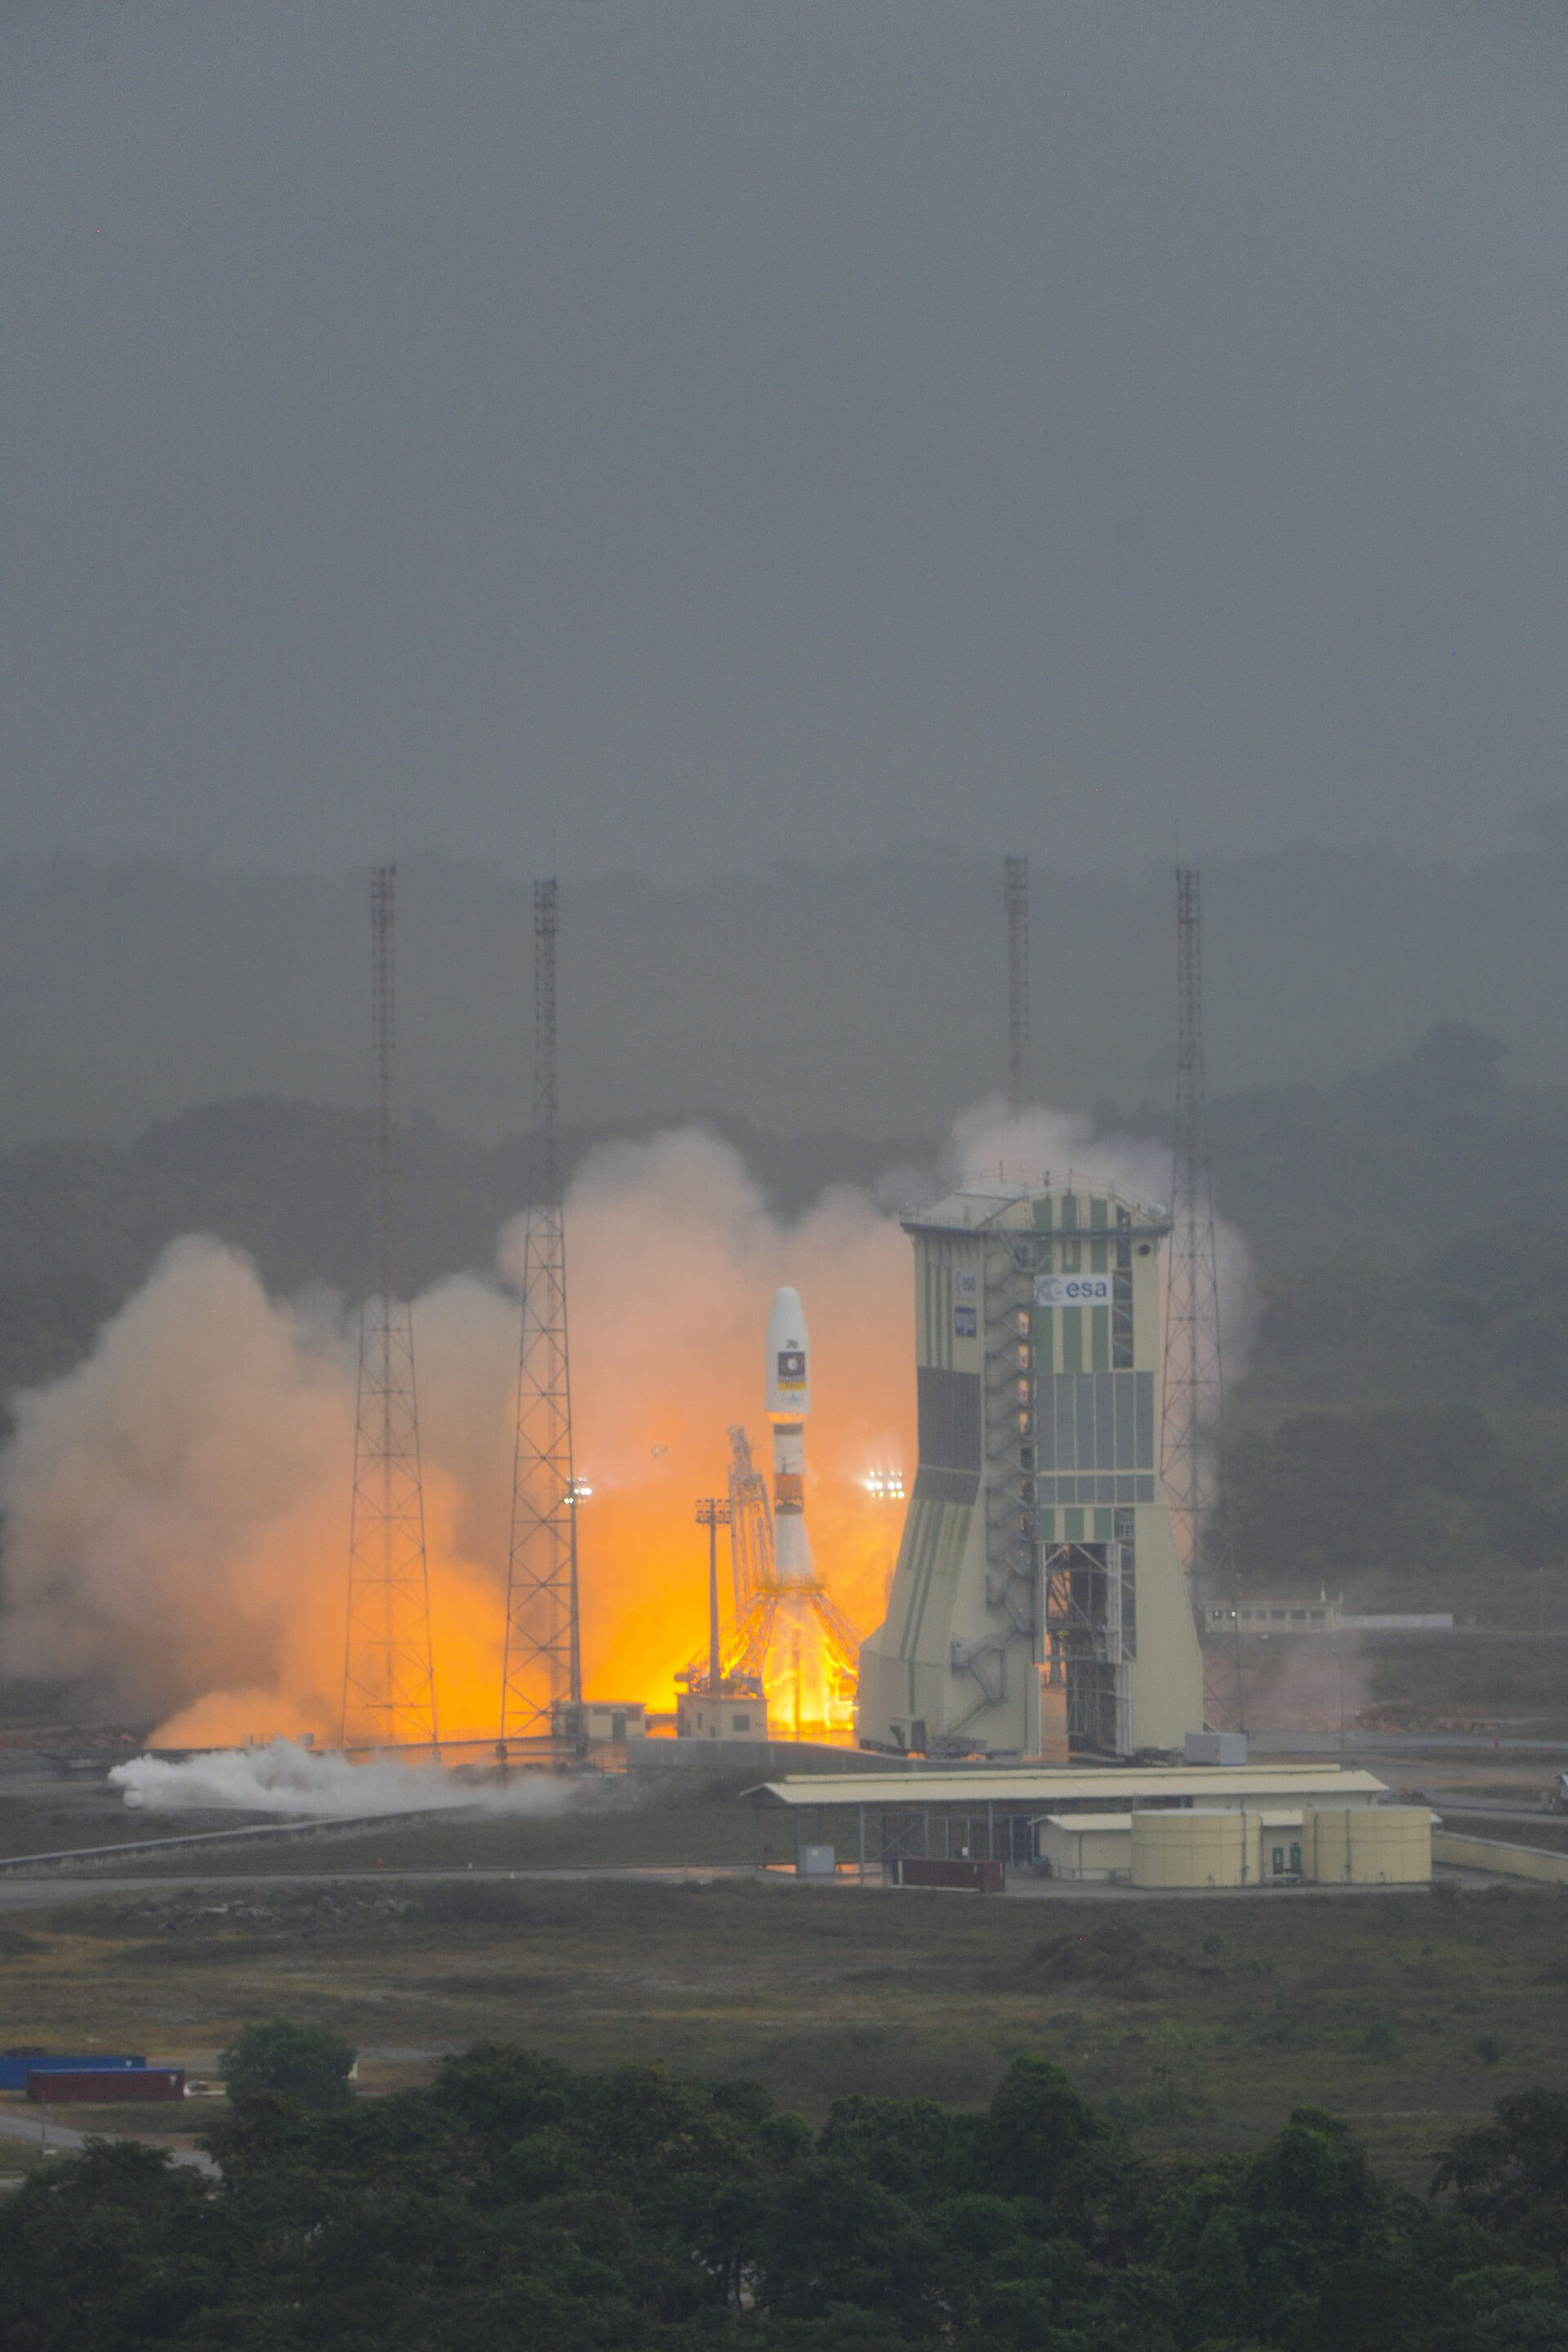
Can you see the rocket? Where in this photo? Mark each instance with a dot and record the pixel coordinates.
(788, 1360)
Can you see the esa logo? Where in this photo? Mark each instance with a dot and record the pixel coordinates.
(1072, 1290)
(963, 1323)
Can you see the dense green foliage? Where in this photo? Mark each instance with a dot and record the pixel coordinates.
(280, 2058)
(518, 2204)
(1484, 1322)
(1418, 1490)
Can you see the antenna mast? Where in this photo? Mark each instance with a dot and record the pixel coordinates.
(1194, 1368)
(543, 1663)
(389, 1686)
(1017, 887)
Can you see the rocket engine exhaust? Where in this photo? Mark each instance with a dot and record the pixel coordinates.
(789, 1641)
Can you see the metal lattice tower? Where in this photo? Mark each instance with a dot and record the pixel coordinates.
(1016, 888)
(1194, 1367)
(543, 1663)
(713, 1513)
(750, 1523)
(389, 1686)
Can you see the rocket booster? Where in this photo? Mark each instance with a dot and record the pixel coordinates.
(787, 1350)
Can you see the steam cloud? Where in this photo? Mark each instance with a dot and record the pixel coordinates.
(177, 1508)
(283, 1778)
(987, 1144)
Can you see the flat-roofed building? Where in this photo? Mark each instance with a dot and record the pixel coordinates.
(598, 1721)
(1274, 1617)
(982, 1813)
(698, 1716)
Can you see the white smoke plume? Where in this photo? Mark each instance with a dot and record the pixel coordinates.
(990, 1146)
(166, 1502)
(177, 1508)
(284, 1778)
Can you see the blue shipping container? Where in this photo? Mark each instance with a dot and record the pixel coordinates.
(14, 2071)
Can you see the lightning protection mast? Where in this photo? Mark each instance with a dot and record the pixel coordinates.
(389, 1686)
(1016, 871)
(544, 1666)
(1194, 1368)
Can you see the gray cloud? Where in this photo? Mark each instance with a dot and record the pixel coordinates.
(718, 432)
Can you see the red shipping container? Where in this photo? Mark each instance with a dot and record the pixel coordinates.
(985, 1877)
(85, 2089)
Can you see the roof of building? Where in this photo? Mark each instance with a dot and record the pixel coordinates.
(974, 1207)
(1081, 1823)
(1051, 1786)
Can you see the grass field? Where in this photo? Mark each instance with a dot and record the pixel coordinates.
(1202, 2021)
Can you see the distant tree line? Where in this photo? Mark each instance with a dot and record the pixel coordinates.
(1414, 1490)
(518, 2204)
(1483, 1322)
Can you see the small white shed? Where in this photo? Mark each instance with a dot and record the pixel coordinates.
(1085, 1846)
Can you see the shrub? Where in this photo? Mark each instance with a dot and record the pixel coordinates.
(282, 2060)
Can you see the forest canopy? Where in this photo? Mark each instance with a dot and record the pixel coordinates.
(516, 2202)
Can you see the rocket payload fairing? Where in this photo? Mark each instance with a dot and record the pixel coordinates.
(787, 1348)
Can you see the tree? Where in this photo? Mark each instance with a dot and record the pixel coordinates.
(1041, 2133)
(283, 2059)
(1512, 2173)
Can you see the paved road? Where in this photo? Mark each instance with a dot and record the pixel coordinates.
(1401, 1743)
(1495, 1812)
(18, 1894)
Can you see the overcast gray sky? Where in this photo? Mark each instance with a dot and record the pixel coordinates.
(726, 431)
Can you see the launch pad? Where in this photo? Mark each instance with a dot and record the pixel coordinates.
(791, 1651)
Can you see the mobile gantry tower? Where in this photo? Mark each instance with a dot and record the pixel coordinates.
(1038, 1535)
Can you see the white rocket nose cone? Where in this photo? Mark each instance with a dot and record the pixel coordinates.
(788, 1366)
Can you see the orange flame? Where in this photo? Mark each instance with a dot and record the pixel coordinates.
(673, 1260)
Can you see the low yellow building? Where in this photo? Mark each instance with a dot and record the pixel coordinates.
(698, 1717)
(1235, 1846)
(1365, 1845)
(1031, 1817)
(1199, 1848)
(1377, 1846)
(599, 1720)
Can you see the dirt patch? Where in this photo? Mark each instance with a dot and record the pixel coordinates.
(1113, 1958)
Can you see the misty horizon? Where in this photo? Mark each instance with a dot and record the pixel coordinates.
(864, 996)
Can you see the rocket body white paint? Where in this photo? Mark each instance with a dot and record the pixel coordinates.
(787, 1350)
